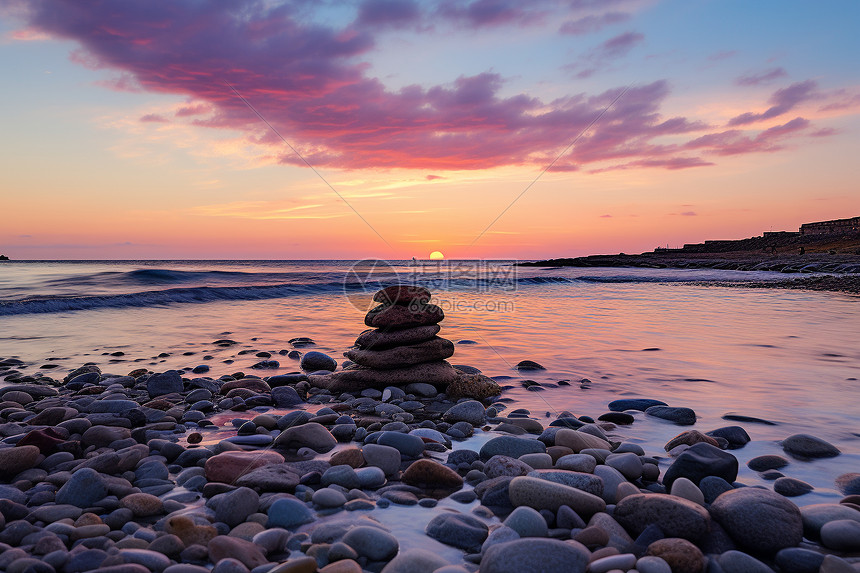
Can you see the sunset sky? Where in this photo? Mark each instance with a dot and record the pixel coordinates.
(123, 138)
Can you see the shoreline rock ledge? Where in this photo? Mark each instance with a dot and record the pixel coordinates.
(402, 347)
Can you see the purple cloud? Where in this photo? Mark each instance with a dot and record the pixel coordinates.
(782, 101)
(612, 49)
(153, 118)
(594, 23)
(384, 13)
(763, 77)
(307, 80)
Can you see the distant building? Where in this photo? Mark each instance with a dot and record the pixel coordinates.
(834, 227)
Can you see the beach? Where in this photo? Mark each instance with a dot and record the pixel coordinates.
(166, 416)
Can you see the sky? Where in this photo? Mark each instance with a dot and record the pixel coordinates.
(393, 128)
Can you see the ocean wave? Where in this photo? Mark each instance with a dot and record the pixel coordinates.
(317, 286)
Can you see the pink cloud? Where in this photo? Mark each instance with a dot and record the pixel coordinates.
(763, 77)
(593, 23)
(197, 109)
(308, 81)
(434, 177)
(610, 50)
(153, 118)
(384, 13)
(782, 101)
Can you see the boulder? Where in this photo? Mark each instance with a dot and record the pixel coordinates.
(758, 520)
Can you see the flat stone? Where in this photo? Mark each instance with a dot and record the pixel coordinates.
(652, 564)
(640, 404)
(379, 339)
(458, 530)
(227, 467)
(805, 446)
(372, 542)
(578, 441)
(391, 316)
(15, 460)
(622, 562)
(439, 373)
(759, 520)
(676, 516)
(403, 294)
(767, 462)
(511, 446)
(736, 436)
(535, 556)
(680, 416)
(700, 460)
(310, 435)
(543, 494)
(273, 477)
(403, 356)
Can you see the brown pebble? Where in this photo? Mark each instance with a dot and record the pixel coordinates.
(349, 457)
(142, 504)
(604, 552)
(689, 438)
(556, 452)
(194, 438)
(190, 533)
(592, 537)
(88, 519)
(342, 566)
(681, 555)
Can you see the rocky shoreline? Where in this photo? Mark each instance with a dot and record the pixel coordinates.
(128, 473)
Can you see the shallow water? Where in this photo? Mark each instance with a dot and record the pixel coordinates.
(786, 356)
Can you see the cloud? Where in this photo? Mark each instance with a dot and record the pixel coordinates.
(763, 77)
(195, 109)
(606, 216)
(782, 101)
(310, 82)
(153, 118)
(689, 214)
(593, 23)
(434, 177)
(485, 13)
(612, 49)
(388, 13)
(723, 55)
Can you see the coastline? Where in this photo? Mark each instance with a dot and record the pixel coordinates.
(174, 471)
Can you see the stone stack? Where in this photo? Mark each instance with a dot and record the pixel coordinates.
(402, 347)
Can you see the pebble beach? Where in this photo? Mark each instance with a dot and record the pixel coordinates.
(392, 459)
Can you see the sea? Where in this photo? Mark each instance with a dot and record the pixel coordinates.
(788, 360)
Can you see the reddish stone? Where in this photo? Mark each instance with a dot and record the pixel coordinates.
(222, 547)
(227, 467)
(402, 294)
(46, 439)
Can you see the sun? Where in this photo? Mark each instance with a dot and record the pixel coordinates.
(436, 256)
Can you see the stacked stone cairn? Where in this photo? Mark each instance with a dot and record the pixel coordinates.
(402, 348)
